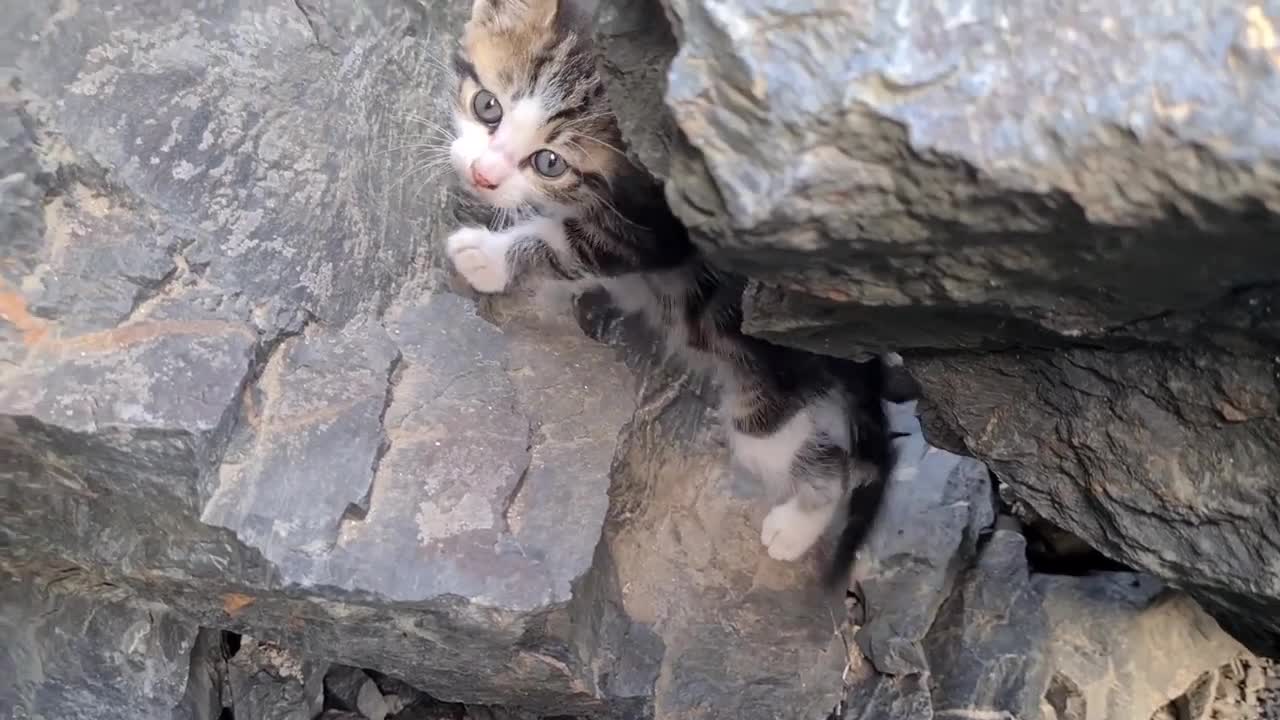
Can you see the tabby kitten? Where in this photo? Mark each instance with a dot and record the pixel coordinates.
(535, 138)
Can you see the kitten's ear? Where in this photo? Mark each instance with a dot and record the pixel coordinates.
(508, 15)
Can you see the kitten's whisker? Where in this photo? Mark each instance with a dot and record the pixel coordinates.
(420, 138)
(607, 145)
(410, 146)
(445, 64)
(414, 170)
(610, 206)
(573, 122)
(412, 131)
(422, 119)
(430, 181)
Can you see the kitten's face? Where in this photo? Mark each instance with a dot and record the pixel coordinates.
(532, 124)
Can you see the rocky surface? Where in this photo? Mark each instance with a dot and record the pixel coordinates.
(257, 459)
(1061, 216)
(76, 646)
(1012, 643)
(227, 380)
(233, 385)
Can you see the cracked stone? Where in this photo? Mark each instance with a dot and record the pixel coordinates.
(998, 192)
(76, 646)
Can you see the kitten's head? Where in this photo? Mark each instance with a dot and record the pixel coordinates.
(532, 122)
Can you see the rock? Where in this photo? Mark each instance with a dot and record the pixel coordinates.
(636, 44)
(935, 508)
(352, 689)
(206, 678)
(231, 382)
(700, 622)
(1040, 212)
(77, 646)
(1248, 688)
(1129, 451)
(989, 648)
(1011, 643)
(268, 682)
(994, 162)
(1197, 702)
(342, 686)
(370, 702)
(1144, 645)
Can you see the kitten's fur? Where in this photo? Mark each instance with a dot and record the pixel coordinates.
(802, 422)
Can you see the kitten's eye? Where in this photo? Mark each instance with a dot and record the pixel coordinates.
(549, 164)
(486, 107)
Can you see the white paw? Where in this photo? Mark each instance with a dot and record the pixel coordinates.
(480, 255)
(789, 530)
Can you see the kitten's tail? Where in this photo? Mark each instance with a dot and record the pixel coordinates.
(864, 506)
(886, 381)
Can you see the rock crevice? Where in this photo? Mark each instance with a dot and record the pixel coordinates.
(240, 406)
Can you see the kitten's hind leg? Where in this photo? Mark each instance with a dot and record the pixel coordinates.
(818, 474)
(802, 459)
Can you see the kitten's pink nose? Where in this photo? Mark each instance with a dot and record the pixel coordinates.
(488, 173)
(480, 179)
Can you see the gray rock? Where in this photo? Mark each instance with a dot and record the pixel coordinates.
(989, 649)
(268, 682)
(206, 678)
(342, 687)
(1056, 168)
(1165, 461)
(1040, 208)
(228, 379)
(636, 43)
(1009, 643)
(78, 647)
(697, 620)
(927, 532)
(351, 689)
(1144, 645)
(371, 703)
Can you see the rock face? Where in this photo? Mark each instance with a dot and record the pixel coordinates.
(228, 382)
(77, 647)
(238, 398)
(1011, 643)
(1063, 217)
(232, 384)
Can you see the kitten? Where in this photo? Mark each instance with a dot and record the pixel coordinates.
(536, 140)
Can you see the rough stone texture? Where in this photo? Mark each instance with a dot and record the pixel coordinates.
(78, 648)
(206, 678)
(1019, 160)
(1128, 450)
(1061, 215)
(1117, 664)
(712, 626)
(267, 682)
(232, 386)
(227, 380)
(1010, 643)
(935, 508)
(231, 382)
(1247, 689)
(990, 646)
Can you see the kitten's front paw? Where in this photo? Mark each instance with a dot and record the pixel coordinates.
(480, 255)
(790, 530)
